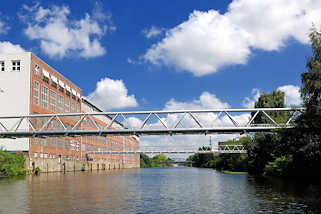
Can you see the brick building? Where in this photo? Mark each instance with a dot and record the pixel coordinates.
(30, 86)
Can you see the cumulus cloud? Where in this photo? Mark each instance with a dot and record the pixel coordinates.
(249, 102)
(208, 41)
(153, 32)
(188, 142)
(112, 94)
(205, 101)
(292, 95)
(9, 48)
(5, 46)
(60, 36)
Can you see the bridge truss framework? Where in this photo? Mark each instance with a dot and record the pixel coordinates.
(141, 123)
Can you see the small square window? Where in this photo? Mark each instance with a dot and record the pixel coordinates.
(1, 65)
(16, 65)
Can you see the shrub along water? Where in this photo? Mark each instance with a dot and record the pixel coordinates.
(11, 164)
(157, 161)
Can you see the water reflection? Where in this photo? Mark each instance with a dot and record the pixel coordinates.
(156, 190)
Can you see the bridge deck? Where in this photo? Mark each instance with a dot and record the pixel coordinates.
(147, 123)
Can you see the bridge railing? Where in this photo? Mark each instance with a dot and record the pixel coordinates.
(146, 122)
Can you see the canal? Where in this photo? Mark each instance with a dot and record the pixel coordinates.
(155, 190)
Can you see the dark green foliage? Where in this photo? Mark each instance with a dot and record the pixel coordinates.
(38, 170)
(230, 162)
(261, 150)
(145, 161)
(157, 161)
(273, 100)
(11, 164)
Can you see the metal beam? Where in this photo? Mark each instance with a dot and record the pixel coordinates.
(194, 124)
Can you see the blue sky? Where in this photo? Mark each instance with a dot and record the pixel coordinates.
(153, 55)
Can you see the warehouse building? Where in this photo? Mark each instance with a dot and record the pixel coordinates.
(29, 86)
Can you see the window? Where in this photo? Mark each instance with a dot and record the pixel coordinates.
(43, 142)
(45, 155)
(72, 145)
(66, 144)
(35, 154)
(61, 89)
(78, 108)
(60, 142)
(54, 81)
(36, 70)
(44, 97)
(16, 65)
(43, 121)
(45, 76)
(1, 65)
(53, 124)
(36, 92)
(53, 142)
(35, 141)
(67, 105)
(41, 155)
(73, 106)
(60, 104)
(53, 98)
(83, 147)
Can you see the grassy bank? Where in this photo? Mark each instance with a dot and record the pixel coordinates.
(11, 164)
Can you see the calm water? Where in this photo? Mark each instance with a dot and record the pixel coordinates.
(155, 190)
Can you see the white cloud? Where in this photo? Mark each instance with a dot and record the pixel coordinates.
(153, 32)
(208, 41)
(249, 102)
(205, 101)
(292, 95)
(5, 46)
(112, 94)
(60, 36)
(9, 48)
(3, 28)
(189, 142)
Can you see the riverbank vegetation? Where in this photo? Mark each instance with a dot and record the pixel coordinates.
(157, 161)
(292, 152)
(11, 164)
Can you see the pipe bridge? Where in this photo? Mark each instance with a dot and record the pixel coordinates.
(141, 123)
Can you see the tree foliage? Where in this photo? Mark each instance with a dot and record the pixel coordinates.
(11, 164)
(274, 100)
(157, 161)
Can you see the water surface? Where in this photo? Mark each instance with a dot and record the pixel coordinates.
(155, 190)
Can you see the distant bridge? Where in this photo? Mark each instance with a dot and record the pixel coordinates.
(222, 149)
(142, 123)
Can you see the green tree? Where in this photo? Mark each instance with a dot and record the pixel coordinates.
(264, 148)
(145, 161)
(273, 100)
(307, 135)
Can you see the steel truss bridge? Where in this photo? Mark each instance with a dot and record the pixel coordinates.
(222, 149)
(139, 123)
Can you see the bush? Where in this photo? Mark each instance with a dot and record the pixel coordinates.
(278, 167)
(11, 164)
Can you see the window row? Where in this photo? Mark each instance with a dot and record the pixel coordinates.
(57, 102)
(15, 65)
(58, 84)
(57, 142)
